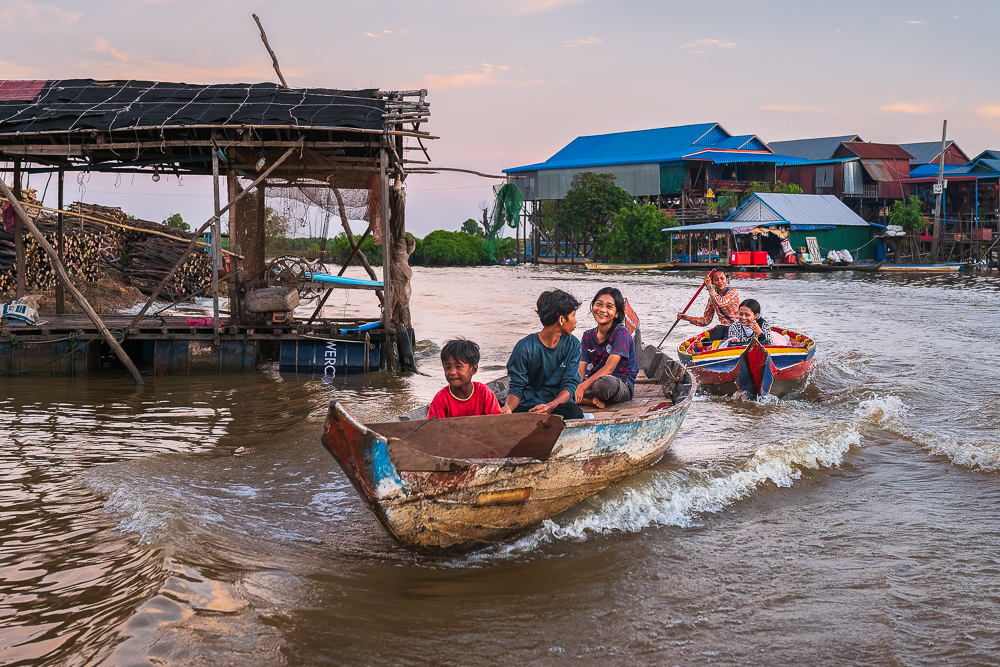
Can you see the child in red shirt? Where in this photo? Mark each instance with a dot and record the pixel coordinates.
(462, 397)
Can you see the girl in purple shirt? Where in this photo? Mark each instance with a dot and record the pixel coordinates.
(608, 364)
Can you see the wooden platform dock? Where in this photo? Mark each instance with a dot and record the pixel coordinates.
(70, 345)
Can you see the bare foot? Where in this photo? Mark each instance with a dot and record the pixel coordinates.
(596, 403)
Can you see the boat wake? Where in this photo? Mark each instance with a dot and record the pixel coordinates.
(679, 498)
(889, 413)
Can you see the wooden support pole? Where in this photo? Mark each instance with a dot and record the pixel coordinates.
(356, 246)
(64, 277)
(386, 269)
(18, 233)
(216, 243)
(234, 275)
(60, 242)
(201, 230)
(936, 234)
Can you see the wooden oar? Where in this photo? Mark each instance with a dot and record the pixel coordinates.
(700, 288)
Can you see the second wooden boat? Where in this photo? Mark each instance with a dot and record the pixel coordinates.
(755, 370)
(923, 268)
(595, 266)
(829, 268)
(440, 485)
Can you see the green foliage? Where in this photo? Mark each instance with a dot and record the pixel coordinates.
(637, 236)
(177, 222)
(778, 187)
(907, 215)
(591, 204)
(472, 227)
(443, 248)
(339, 249)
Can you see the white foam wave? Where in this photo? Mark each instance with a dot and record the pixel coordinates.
(890, 414)
(679, 498)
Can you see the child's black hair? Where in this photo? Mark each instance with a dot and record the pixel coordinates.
(619, 300)
(461, 350)
(554, 304)
(752, 305)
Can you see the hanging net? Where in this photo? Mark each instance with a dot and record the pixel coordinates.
(506, 211)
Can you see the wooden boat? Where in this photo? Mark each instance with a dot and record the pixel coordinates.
(594, 266)
(755, 370)
(442, 485)
(829, 268)
(923, 268)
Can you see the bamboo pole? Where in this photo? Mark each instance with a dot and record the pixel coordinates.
(201, 230)
(64, 277)
(61, 241)
(216, 246)
(274, 58)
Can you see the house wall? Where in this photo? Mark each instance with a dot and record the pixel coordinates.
(838, 239)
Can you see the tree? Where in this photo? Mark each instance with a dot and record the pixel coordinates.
(907, 215)
(472, 227)
(591, 204)
(177, 222)
(637, 236)
(275, 225)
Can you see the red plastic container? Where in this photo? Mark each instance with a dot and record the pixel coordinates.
(758, 258)
(739, 258)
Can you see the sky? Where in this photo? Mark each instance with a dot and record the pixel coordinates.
(510, 83)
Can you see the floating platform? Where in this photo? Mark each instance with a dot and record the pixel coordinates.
(70, 345)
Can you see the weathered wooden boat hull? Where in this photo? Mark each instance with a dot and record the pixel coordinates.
(472, 502)
(756, 370)
(923, 268)
(594, 266)
(830, 268)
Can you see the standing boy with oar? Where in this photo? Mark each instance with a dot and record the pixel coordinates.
(723, 301)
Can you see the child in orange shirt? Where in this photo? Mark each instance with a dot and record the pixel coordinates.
(462, 397)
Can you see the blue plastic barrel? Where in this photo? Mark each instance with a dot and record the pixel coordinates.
(328, 357)
(879, 252)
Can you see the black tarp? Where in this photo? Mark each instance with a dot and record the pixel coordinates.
(76, 104)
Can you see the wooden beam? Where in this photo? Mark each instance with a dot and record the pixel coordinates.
(274, 58)
(386, 269)
(201, 230)
(60, 242)
(356, 246)
(64, 277)
(216, 244)
(18, 233)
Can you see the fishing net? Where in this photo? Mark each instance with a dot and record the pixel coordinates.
(506, 211)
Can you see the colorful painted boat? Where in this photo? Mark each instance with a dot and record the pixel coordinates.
(442, 485)
(923, 268)
(755, 370)
(595, 266)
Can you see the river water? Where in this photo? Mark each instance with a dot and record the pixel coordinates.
(857, 521)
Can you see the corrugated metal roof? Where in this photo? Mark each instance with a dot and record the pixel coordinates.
(984, 164)
(822, 148)
(926, 152)
(992, 155)
(665, 144)
(803, 210)
(724, 225)
(927, 170)
(878, 170)
(877, 151)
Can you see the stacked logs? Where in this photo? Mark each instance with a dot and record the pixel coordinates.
(91, 247)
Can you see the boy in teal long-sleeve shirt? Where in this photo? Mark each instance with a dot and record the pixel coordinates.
(544, 367)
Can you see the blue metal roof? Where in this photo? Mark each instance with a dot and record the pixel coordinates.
(925, 170)
(665, 144)
(821, 148)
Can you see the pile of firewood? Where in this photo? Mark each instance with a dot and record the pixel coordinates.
(91, 247)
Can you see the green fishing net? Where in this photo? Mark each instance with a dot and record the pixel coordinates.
(506, 211)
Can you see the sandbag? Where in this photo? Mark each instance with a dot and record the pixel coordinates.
(272, 299)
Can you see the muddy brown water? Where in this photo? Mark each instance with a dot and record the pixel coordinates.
(857, 521)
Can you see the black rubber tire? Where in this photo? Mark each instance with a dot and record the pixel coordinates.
(404, 345)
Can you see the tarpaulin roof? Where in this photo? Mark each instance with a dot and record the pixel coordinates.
(76, 104)
(705, 141)
(822, 148)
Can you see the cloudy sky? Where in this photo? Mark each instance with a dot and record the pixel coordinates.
(512, 82)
